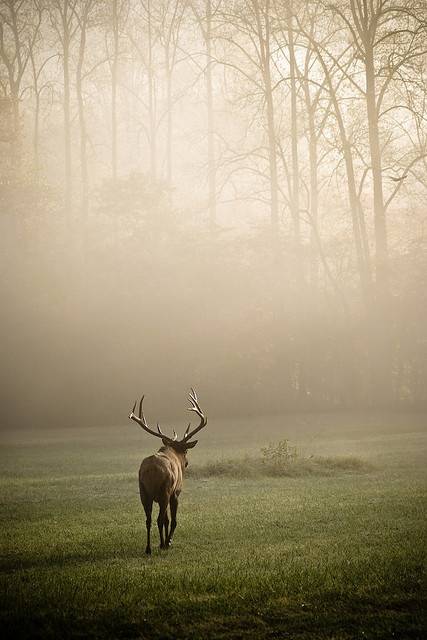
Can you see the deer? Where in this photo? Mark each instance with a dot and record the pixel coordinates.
(161, 475)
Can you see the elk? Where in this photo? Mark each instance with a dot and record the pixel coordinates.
(161, 475)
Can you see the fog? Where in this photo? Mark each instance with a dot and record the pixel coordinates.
(220, 194)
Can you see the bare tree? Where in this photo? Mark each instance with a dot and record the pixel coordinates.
(64, 22)
(19, 29)
(204, 14)
(169, 27)
(83, 15)
(377, 31)
(119, 12)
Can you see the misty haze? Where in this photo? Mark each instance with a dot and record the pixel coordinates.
(226, 199)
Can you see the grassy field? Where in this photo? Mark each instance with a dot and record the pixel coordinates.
(334, 548)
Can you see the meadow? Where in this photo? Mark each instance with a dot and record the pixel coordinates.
(333, 546)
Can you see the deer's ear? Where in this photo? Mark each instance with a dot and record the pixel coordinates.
(190, 445)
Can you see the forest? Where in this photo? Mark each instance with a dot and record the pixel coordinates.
(227, 194)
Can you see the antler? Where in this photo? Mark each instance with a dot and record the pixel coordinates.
(196, 408)
(140, 419)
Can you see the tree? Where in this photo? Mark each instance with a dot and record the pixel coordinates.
(19, 28)
(63, 19)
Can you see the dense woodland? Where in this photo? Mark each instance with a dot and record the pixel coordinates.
(224, 193)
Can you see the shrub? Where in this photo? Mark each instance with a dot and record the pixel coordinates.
(278, 457)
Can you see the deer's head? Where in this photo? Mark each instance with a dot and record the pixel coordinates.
(180, 447)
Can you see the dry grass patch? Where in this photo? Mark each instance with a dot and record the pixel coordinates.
(281, 459)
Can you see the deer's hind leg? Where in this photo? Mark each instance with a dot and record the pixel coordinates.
(166, 526)
(163, 520)
(174, 509)
(147, 503)
(148, 507)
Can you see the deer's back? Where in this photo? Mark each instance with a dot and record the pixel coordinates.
(159, 477)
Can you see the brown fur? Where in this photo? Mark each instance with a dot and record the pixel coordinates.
(160, 480)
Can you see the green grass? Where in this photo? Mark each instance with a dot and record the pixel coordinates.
(333, 549)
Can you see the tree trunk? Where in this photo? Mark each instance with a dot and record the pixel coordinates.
(265, 56)
(67, 127)
(114, 69)
(36, 134)
(314, 201)
(294, 196)
(272, 151)
(169, 132)
(16, 138)
(210, 120)
(381, 248)
(381, 313)
(82, 124)
(151, 99)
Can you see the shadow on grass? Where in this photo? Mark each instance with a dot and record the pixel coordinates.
(75, 559)
(333, 616)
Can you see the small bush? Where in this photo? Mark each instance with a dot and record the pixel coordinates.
(278, 457)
